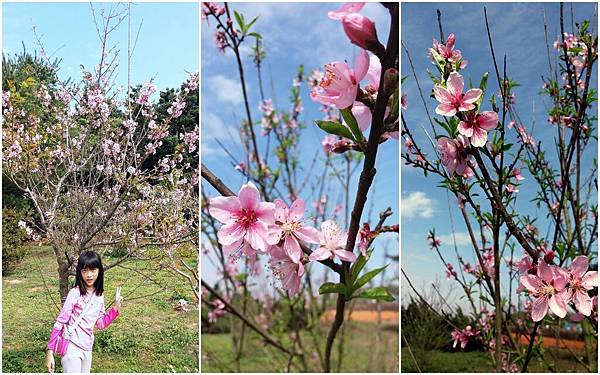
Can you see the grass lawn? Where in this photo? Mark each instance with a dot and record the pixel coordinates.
(362, 351)
(148, 336)
(475, 361)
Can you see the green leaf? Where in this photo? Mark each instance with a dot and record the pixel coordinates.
(377, 293)
(256, 35)
(332, 288)
(239, 19)
(482, 86)
(395, 101)
(248, 26)
(352, 124)
(367, 277)
(334, 128)
(360, 263)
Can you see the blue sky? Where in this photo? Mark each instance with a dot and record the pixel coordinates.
(517, 32)
(167, 46)
(294, 33)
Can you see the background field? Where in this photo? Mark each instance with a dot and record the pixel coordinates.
(370, 350)
(148, 336)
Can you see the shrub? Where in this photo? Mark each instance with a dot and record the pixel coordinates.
(13, 239)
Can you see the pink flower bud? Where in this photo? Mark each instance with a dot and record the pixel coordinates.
(360, 30)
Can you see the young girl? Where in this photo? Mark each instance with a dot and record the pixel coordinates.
(88, 289)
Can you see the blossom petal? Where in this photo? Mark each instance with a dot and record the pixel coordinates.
(583, 302)
(363, 115)
(579, 265)
(249, 196)
(539, 308)
(442, 95)
(297, 210)
(230, 233)
(308, 234)
(361, 66)
(274, 235)
(345, 255)
(223, 208)
(344, 10)
(321, 253)
(374, 72)
(256, 236)
(292, 248)
(472, 96)
(479, 137)
(281, 211)
(531, 282)
(487, 120)
(455, 84)
(465, 129)
(445, 109)
(558, 306)
(265, 212)
(544, 272)
(590, 280)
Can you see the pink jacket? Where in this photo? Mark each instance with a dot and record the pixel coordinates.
(83, 334)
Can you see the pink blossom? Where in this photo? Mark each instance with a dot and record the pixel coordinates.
(246, 220)
(546, 288)
(476, 126)
(360, 30)
(517, 174)
(333, 241)
(212, 8)
(403, 101)
(340, 84)
(450, 273)
(452, 99)
(346, 9)
(447, 51)
(328, 143)
(463, 336)
(373, 74)
(469, 268)
(285, 269)
(290, 228)
(511, 124)
(365, 236)
(220, 40)
(433, 242)
(523, 265)
(511, 188)
(527, 139)
(580, 281)
(453, 153)
(362, 114)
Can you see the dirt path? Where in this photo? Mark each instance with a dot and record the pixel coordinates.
(387, 316)
(550, 342)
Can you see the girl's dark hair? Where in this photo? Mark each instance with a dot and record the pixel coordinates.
(89, 259)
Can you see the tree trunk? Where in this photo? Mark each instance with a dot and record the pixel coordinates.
(63, 273)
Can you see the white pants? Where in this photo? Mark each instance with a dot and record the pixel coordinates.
(76, 360)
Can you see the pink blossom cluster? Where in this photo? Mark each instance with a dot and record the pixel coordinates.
(269, 118)
(450, 272)
(577, 59)
(209, 8)
(446, 52)
(463, 335)
(252, 227)
(553, 287)
(145, 92)
(217, 311)
(433, 241)
(359, 29)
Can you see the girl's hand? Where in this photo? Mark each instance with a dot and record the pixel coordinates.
(50, 361)
(118, 299)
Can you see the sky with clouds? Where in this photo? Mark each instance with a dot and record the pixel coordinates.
(294, 34)
(517, 32)
(167, 47)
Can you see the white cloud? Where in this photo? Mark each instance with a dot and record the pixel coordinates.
(213, 128)
(417, 204)
(462, 239)
(226, 90)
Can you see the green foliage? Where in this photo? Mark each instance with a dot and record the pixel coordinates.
(352, 124)
(110, 341)
(13, 239)
(334, 128)
(376, 293)
(333, 288)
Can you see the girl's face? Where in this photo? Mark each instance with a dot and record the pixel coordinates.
(89, 276)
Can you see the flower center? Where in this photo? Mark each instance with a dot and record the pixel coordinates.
(546, 290)
(247, 218)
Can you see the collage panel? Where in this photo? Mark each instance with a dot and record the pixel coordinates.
(100, 199)
(299, 187)
(499, 200)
